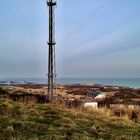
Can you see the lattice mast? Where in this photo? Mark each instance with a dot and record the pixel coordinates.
(51, 43)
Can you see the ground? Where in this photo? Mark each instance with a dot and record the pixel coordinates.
(30, 120)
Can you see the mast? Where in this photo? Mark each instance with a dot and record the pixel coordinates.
(51, 53)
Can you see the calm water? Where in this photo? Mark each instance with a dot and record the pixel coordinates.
(127, 82)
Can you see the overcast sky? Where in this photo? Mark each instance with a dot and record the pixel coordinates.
(95, 38)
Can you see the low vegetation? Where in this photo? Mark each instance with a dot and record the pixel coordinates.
(24, 119)
(34, 121)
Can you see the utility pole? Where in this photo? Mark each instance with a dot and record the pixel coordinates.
(51, 53)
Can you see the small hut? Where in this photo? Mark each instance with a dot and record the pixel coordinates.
(94, 99)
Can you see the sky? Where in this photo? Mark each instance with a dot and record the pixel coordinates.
(95, 38)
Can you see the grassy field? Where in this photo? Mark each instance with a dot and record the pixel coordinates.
(33, 121)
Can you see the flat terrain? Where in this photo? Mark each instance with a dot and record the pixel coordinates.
(26, 116)
(119, 95)
(35, 121)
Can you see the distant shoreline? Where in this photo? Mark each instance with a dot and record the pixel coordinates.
(120, 82)
(78, 84)
(114, 94)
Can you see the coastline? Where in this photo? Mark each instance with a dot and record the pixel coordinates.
(114, 82)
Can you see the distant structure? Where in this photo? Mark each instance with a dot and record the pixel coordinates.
(96, 96)
(51, 56)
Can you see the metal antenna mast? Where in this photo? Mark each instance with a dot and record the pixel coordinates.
(51, 43)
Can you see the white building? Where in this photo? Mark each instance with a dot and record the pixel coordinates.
(92, 105)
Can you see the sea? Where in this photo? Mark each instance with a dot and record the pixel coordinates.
(123, 82)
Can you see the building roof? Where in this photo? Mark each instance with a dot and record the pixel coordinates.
(93, 93)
